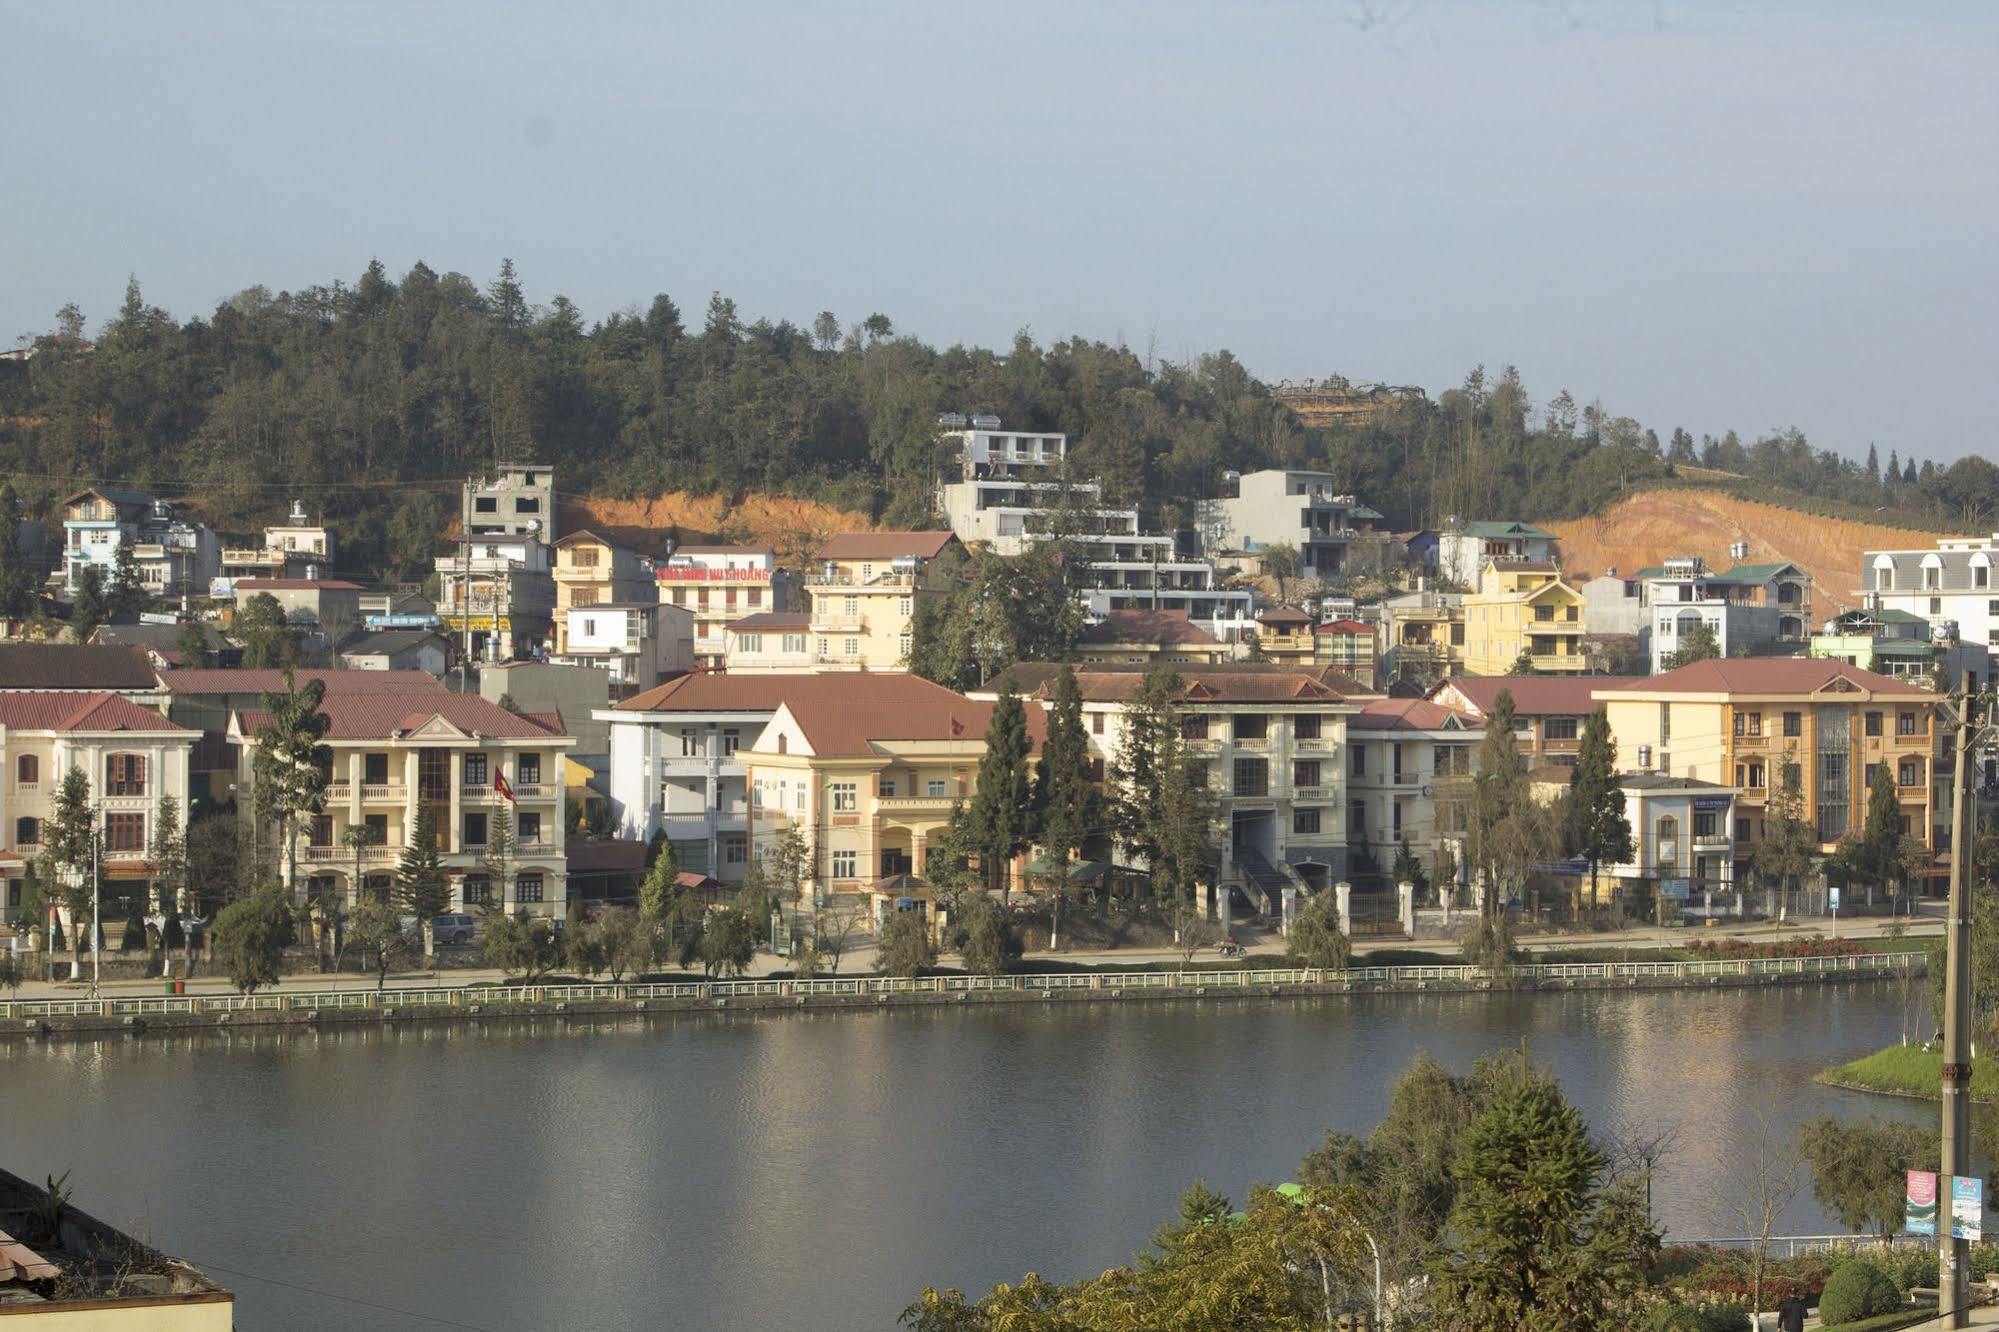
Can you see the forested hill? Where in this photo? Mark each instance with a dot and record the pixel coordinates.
(349, 393)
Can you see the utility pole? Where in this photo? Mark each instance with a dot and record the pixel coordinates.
(1954, 1289)
(96, 895)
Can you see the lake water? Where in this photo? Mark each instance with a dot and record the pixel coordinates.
(817, 1170)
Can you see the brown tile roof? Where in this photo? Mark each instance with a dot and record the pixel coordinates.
(1238, 682)
(719, 691)
(50, 710)
(722, 550)
(1358, 628)
(1407, 714)
(383, 716)
(1283, 615)
(1534, 695)
(884, 545)
(772, 620)
(75, 666)
(267, 681)
(295, 585)
(1767, 675)
(585, 857)
(897, 707)
(1164, 627)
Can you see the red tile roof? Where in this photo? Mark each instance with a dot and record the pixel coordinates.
(51, 710)
(884, 545)
(1358, 628)
(1164, 627)
(772, 620)
(722, 550)
(1283, 615)
(1406, 714)
(898, 707)
(1767, 675)
(719, 691)
(383, 716)
(1534, 695)
(268, 681)
(1238, 682)
(75, 666)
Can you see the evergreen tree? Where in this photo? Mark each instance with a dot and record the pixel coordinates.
(422, 888)
(86, 609)
(1148, 747)
(191, 643)
(998, 818)
(1600, 831)
(17, 580)
(1696, 644)
(1065, 797)
(268, 642)
(291, 764)
(69, 836)
(128, 595)
(1789, 843)
(1879, 857)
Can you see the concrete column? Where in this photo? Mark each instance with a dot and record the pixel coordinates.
(454, 835)
(1478, 890)
(1448, 895)
(1405, 901)
(1344, 892)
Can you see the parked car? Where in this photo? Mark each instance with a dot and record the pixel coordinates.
(453, 928)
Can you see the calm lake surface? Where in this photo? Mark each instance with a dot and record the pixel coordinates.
(818, 1170)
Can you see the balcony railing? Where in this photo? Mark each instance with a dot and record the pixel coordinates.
(914, 804)
(336, 854)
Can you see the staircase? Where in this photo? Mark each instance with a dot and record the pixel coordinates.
(1262, 882)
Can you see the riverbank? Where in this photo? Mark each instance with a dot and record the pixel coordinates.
(1912, 1071)
(307, 1010)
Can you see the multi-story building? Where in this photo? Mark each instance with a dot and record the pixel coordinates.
(174, 557)
(867, 775)
(593, 570)
(1464, 549)
(1274, 739)
(1750, 608)
(296, 548)
(1408, 760)
(1425, 635)
(1954, 584)
(1134, 637)
(721, 585)
(1680, 836)
(639, 643)
(473, 763)
(1895, 642)
(511, 500)
(864, 594)
(1283, 634)
(1549, 710)
(772, 642)
(133, 757)
(1523, 609)
(1754, 724)
(322, 609)
(1334, 534)
(1351, 647)
(496, 596)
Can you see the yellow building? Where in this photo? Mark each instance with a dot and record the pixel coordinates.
(460, 755)
(1755, 723)
(1284, 635)
(868, 780)
(593, 570)
(865, 592)
(1523, 606)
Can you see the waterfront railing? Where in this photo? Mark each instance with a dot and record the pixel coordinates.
(887, 987)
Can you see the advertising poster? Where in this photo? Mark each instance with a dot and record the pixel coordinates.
(1967, 1207)
(1921, 1203)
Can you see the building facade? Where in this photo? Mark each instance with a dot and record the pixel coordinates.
(1464, 550)
(510, 500)
(1409, 762)
(1952, 584)
(1549, 711)
(864, 593)
(174, 557)
(638, 643)
(1749, 608)
(296, 548)
(1134, 637)
(1334, 534)
(1523, 609)
(720, 585)
(496, 596)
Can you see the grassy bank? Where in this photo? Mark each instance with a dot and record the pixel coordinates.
(1910, 1070)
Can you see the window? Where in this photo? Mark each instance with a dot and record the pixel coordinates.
(474, 829)
(1936, 605)
(478, 890)
(1905, 723)
(1794, 724)
(27, 832)
(1357, 761)
(1704, 822)
(486, 504)
(377, 826)
(1873, 723)
(527, 829)
(375, 769)
(124, 832)
(528, 888)
(320, 831)
(1667, 831)
(583, 557)
(1909, 773)
(1742, 830)
(1981, 575)
(1252, 726)
(1194, 728)
(844, 797)
(1305, 772)
(844, 863)
(1096, 723)
(475, 770)
(525, 505)
(1305, 821)
(903, 605)
(125, 775)
(28, 770)
(691, 743)
(753, 597)
(527, 769)
(885, 788)
(1665, 726)
(1252, 777)
(1749, 723)
(902, 644)
(1932, 576)
(794, 645)
(1749, 776)
(1305, 726)
(433, 774)
(1559, 728)
(750, 642)
(853, 607)
(850, 646)
(732, 740)
(934, 788)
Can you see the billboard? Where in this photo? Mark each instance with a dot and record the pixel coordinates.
(1967, 1207)
(1920, 1203)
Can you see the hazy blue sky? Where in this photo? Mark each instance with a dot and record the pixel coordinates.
(1710, 215)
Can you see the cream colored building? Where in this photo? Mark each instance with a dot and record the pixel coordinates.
(395, 751)
(1523, 606)
(134, 758)
(1408, 764)
(1136, 637)
(593, 570)
(864, 593)
(720, 585)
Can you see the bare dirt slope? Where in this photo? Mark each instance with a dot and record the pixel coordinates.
(794, 527)
(1648, 527)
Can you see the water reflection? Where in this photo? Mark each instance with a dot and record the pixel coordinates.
(733, 1170)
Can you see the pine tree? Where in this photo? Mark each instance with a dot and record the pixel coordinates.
(291, 765)
(17, 580)
(1881, 838)
(998, 816)
(1148, 746)
(86, 609)
(128, 595)
(1600, 829)
(422, 889)
(1065, 798)
(68, 836)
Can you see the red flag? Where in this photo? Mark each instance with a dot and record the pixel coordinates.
(957, 728)
(500, 785)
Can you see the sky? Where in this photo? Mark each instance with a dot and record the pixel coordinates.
(1712, 215)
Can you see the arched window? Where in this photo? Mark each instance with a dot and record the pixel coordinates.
(28, 770)
(125, 774)
(27, 832)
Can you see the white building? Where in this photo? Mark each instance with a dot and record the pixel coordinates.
(1680, 828)
(639, 643)
(720, 585)
(296, 548)
(1751, 608)
(496, 596)
(174, 557)
(1406, 758)
(1464, 548)
(1953, 584)
(775, 641)
(1333, 533)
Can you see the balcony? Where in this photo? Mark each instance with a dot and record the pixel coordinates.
(914, 804)
(1559, 662)
(1756, 741)
(372, 854)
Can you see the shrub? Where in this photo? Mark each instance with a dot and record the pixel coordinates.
(251, 936)
(1857, 1289)
(1697, 1318)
